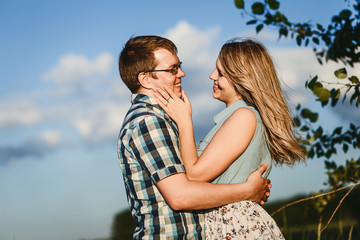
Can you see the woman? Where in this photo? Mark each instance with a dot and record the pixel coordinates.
(255, 127)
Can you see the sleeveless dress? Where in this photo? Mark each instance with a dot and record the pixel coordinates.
(244, 219)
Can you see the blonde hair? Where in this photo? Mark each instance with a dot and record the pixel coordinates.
(250, 69)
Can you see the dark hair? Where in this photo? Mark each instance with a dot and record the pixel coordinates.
(138, 56)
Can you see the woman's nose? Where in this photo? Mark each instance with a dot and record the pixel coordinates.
(213, 75)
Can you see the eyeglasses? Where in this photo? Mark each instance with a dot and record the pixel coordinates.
(174, 70)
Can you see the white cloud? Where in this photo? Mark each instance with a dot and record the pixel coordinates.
(194, 45)
(72, 67)
(101, 121)
(83, 125)
(295, 65)
(19, 113)
(51, 137)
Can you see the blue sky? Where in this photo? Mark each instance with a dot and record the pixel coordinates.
(62, 101)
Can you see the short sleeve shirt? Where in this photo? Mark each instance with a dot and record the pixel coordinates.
(148, 150)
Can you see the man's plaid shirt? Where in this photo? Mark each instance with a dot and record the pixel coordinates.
(148, 149)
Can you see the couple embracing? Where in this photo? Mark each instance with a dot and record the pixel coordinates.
(177, 190)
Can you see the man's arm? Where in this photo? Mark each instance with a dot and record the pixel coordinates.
(183, 194)
(154, 143)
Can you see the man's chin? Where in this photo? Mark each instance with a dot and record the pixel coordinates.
(178, 92)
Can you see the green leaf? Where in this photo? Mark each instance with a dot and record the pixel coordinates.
(258, 8)
(297, 122)
(320, 27)
(280, 17)
(336, 93)
(305, 113)
(334, 102)
(345, 148)
(268, 20)
(337, 130)
(319, 133)
(320, 61)
(315, 40)
(341, 73)
(314, 117)
(336, 19)
(312, 82)
(354, 79)
(283, 31)
(318, 84)
(251, 22)
(298, 40)
(304, 129)
(323, 94)
(330, 165)
(345, 14)
(352, 98)
(240, 4)
(259, 27)
(273, 4)
(311, 153)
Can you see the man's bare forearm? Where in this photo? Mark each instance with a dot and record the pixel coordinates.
(182, 193)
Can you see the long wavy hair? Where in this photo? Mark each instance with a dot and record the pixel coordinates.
(250, 69)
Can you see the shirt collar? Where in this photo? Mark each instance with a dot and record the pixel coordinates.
(137, 98)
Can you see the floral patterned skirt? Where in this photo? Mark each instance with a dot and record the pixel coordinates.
(240, 220)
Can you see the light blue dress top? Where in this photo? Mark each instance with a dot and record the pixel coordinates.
(255, 154)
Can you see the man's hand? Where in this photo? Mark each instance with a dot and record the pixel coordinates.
(259, 187)
(267, 193)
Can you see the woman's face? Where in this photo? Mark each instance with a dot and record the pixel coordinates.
(223, 90)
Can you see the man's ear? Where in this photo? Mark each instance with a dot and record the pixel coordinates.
(144, 80)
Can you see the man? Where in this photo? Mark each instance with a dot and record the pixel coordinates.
(161, 198)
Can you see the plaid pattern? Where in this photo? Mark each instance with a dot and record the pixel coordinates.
(148, 150)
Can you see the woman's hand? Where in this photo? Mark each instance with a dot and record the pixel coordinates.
(179, 110)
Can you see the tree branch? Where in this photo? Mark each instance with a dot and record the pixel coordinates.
(313, 197)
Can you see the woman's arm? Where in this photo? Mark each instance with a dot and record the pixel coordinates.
(180, 111)
(230, 141)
